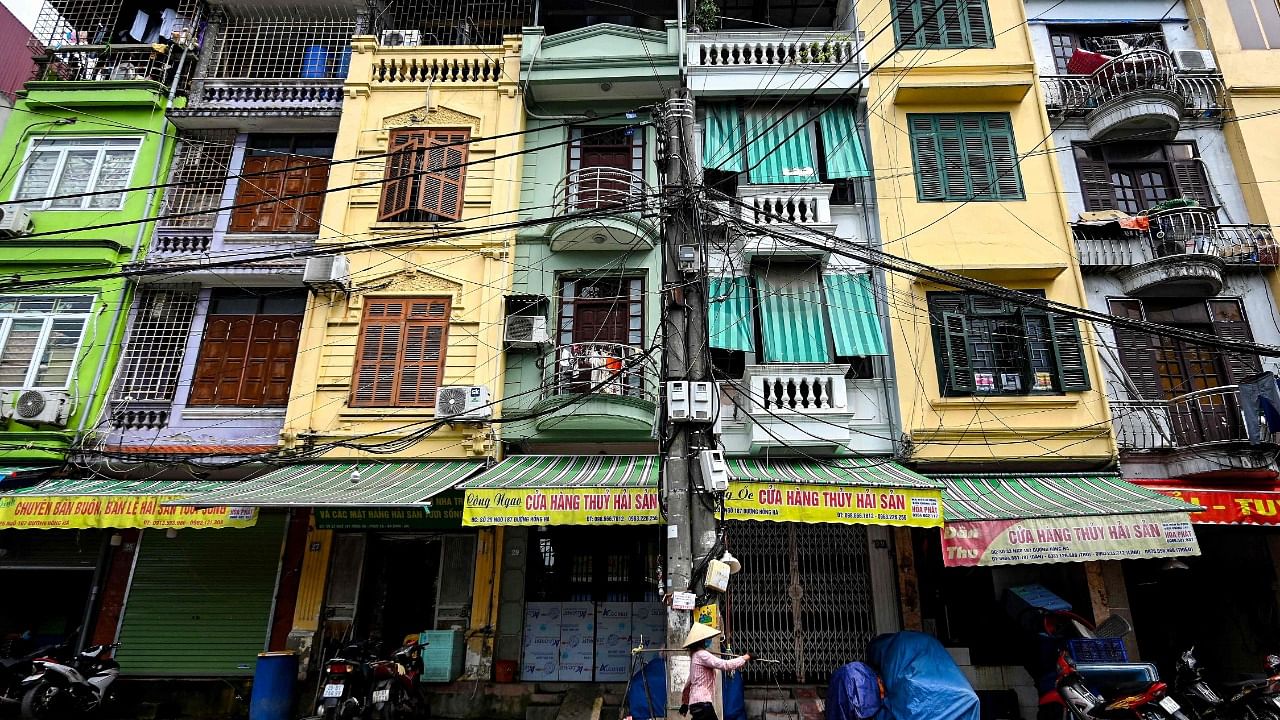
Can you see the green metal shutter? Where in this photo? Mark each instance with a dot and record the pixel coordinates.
(200, 604)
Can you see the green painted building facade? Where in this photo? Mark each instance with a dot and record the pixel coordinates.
(64, 339)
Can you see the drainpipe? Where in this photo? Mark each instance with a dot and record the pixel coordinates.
(133, 255)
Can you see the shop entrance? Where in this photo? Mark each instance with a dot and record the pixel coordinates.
(48, 576)
(803, 597)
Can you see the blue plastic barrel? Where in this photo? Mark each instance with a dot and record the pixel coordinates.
(273, 681)
(315, 62)
(344, 63)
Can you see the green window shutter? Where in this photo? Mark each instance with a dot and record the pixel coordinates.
(779, 156)
(955, 352)
(925, 157)
(200, 604)
(943, 24)
(1003, 154)
(722, 138)
(977, 23)
(729, 314)
(906, 18)
(841, 143)
(1068, 350)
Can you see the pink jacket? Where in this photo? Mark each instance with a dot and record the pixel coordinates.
(702, 675)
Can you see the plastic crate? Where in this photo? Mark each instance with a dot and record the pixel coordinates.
(1098, 650)
(443, 656)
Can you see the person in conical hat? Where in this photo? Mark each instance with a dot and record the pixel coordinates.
(703, 675)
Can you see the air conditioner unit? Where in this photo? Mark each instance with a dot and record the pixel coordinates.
(1195, 61)
(463, 402)
(397, 38)
(36, 407)
(15, 221)
(327, 272)
(525, 331)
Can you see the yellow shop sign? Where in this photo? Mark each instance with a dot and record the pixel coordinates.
(562, 506)
(79, 512)
(782, 502)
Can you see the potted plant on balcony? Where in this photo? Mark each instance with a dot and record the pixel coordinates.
(706, 16)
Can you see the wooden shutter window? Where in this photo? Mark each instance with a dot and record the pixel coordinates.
(955, 346)
(402, 164)
(963, 157)
(1230, 323)
(1003, 155)
(977, 24)
(401, 353)
(1192, 182)
(1068, 350)
(924, 151)
(246, 361)
(1136, 351)
(283, 180)
(426, 172)
(942, 23)
(906, 17)
(442, 183)
(1095, 184)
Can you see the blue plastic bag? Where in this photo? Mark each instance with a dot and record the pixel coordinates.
(735, 697)
(647, 694)
(921, 681)
(853, 693)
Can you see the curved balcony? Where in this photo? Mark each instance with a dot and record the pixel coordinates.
(618, 382)
(1204, 430)
(1185, 255)
(1138, 93)
(616, 200)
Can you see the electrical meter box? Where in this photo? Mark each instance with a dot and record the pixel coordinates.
(692, 401)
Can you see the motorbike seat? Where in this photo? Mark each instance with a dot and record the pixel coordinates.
(1123, 689)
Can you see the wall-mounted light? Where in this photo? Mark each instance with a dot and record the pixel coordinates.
(116, 540)
(171, 533)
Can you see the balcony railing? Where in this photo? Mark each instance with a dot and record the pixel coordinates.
(157, 63)
(422, 66)
(797, 388)
(1179, 231)
(1139, 72)
(600, 188)
(768, 49)
(798, 207)
(599, 368)
(258, 95)
(1184, 231)
(1198, 418)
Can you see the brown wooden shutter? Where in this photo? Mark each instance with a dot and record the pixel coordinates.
(256, 188)
(401, 354)
(1136, 351)
(1095, 184)
(286, 180)
(268, 367)
(1192, 183)
(441, 187)
(402, 164)
(1230, 323)
(220, 364)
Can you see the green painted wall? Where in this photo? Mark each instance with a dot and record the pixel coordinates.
(98, 108)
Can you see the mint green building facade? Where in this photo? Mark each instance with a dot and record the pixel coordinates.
(64, 340)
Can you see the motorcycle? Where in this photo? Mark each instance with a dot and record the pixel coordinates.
(397, 688)
(14, 669)
(344, 690)
(1260, 699)
(1135, 701)
(1198, 699)
(58, 690)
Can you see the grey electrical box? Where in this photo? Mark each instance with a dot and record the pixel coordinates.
(715, 472)
(692, 401)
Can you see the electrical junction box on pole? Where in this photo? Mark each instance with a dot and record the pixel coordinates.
(715, 472)
(692, 401)
(717, 576)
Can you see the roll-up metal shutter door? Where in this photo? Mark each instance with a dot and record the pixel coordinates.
(200, 604)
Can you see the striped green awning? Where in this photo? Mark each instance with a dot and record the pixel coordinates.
(775, 157)
(729, 320)
(855, 324)
(1021, 497)
(793, 324)
(722, 138)
(70, 487)
(853, 471)
(841, 143)
(380, 484)
(569, 471)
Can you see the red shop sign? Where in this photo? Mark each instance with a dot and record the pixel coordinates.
(1228, 506)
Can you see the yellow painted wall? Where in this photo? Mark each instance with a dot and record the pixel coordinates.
(1020, 244)
(405, 87)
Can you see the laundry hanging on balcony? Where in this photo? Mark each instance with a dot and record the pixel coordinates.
(855, 322)
(841, 143)
(729, 321)
(722, 138)
(780, 149)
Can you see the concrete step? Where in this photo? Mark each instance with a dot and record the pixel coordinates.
(541, 712)
(546, 698)
(777, 704)
(793, 715)
(755, 707)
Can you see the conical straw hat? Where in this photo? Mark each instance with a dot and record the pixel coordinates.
(698, 633)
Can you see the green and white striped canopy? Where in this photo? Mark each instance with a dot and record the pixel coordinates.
(68, 487)
(792, 321)
(729, 314)
(851, 471)
(569, 471)
(855, 324)
(784, 153)
(842, 143)
(1022, 497)
(380, 484)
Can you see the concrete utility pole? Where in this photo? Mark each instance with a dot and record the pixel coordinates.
(690, 526)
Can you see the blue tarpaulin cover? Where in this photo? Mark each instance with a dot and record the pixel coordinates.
(647, 692)
(921, 681)
(854, 693)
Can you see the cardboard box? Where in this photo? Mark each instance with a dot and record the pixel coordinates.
(613, 669)
(534, 643)
(579, 672)
(543, 669)
(614, 618)
(577, 618)
(542, 620)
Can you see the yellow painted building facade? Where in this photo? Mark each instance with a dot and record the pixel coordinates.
(1020, 241)
(410, 110)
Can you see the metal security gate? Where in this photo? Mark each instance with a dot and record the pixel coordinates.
(803, 598)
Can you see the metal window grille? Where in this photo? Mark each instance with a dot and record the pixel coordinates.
(111, 22)
(283, 43)
(200, 168)
(454, 22)
(156, 344)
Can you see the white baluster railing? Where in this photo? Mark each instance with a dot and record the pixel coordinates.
(797, 388)
(771, 48)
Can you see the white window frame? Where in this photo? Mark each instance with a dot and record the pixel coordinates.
(33, 365)
(119, 142)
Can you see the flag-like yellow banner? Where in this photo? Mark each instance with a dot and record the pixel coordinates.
(562, 506)
(79, 512)
(834, 503)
